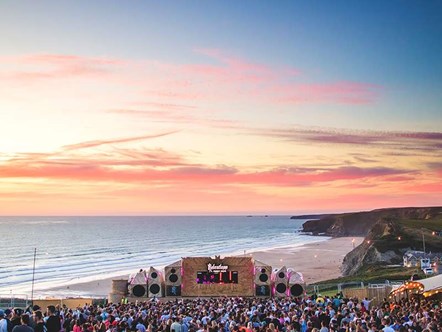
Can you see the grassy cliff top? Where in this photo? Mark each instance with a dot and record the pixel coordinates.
(401, 233)
(387, 228)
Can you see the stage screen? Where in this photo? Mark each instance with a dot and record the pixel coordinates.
(227, 277)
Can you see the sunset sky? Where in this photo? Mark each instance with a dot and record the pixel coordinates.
(219, 107)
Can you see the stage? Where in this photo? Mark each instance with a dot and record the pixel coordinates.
(193, 277)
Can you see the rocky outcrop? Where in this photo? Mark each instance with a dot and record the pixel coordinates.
(365, 255)
(310, 216)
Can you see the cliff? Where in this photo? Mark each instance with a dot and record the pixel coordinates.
(360, 223)
(388, 234)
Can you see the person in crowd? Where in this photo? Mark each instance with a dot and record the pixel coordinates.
(386, 325)
(3, 321)
(16, 317)
(140, 327)
(176, 326)
(39, 325)
(24, 324)
(99, 325)
(53, 323)
(77, 326)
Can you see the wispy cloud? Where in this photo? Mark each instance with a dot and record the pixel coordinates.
(91, 144)
(178, 171)
(66, 59)
(272, 83)
(423, 141)
(232, 68)
(344, 92)
(176, 117)
(306, 177)
(166, 106)
(39, 67)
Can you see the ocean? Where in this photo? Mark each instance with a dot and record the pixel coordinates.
(80, 249)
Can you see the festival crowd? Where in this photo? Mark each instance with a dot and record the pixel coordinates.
(329, 314)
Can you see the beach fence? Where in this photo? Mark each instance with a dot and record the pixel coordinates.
(14, 301)
(375, 291)
(70, 302)
(23, 301)
(331, 289)
(322, 289)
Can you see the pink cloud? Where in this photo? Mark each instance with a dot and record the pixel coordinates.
(245, 65)
(58, 66)
(229, 78)
(179, 172)
(60, 59)
(344, 92)
(239, 78)
(63, 59)
(235, 68)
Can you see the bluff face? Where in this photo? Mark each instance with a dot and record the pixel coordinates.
(388, 234)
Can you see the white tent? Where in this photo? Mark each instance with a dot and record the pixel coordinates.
(426, 287)
(432, 285)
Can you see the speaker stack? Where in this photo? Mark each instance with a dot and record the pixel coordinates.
(155, 283)
(280, 282)
(296, 283)
(263, 280)
(137, 284)
(173, 279)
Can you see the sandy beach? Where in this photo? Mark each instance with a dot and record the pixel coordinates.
(316, 261)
